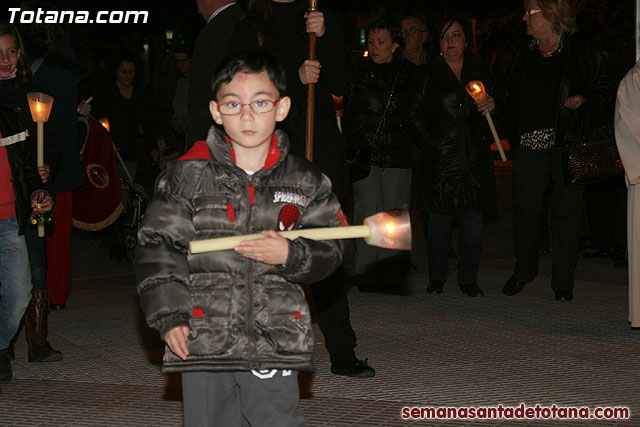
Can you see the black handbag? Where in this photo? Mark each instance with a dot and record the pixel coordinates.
(591, 156)
(360, 163)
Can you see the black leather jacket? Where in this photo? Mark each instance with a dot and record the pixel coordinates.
(455, 168)
(242, 314)
(584, 73)
(364, 104)
(21, 157)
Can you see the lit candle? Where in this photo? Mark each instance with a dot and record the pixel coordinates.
(477, 91)
(391, 230)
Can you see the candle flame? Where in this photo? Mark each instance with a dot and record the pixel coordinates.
(365, 54)
(391, 228)
(38, 106)
(105, 122)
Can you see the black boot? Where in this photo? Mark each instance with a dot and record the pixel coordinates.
(6, 373)
(35, 322)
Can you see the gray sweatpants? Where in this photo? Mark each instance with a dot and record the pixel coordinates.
(243, 398)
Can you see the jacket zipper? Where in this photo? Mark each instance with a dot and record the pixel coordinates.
(253, 354)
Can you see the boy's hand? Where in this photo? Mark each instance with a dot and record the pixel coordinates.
(44, 172)
(309, 71)
(176, 339)
(315, 23)
(272, 250)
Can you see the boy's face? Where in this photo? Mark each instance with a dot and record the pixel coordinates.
(249, 129)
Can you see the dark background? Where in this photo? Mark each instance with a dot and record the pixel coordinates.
(498, 26)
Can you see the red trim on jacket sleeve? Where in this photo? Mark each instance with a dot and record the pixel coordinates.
(252, 194)
(230, 213)
(200, 150)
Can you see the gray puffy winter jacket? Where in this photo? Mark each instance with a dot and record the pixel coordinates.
(242, 314)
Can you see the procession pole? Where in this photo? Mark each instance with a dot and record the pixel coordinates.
(311, 91)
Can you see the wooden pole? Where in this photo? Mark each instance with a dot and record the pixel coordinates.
(311, 91)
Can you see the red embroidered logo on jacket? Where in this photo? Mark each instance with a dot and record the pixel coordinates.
(288, 218)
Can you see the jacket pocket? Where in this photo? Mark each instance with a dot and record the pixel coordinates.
(209, 324)
(288, 327)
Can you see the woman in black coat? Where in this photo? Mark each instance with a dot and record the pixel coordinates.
(455, 172)
(552, 84)
(374, 114)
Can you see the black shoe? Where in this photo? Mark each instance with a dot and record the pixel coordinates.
(366, 289)
(513, 286)
(360, 369)
(563, 295)
(6, 373)
(435, 286)
(595, 253)
(472, 290)
(55, 307)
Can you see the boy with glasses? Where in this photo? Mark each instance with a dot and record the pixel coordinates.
(236, 322)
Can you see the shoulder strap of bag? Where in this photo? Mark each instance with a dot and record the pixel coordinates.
(386, 108)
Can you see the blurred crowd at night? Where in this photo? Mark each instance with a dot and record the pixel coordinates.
(498, 27)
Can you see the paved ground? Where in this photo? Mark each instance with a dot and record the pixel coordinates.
(428, 350)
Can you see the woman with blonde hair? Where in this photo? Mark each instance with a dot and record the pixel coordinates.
(552, 85)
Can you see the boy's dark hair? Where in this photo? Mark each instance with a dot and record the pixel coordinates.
(250, 62)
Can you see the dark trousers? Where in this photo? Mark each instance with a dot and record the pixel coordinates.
(469, 246)
(243, 398)
(533, 172)
(36, 247)
(332, 306)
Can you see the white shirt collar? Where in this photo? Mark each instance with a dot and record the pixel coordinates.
(219, 10)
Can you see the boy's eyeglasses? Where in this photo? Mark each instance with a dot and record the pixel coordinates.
(260, 106)
(532, 11)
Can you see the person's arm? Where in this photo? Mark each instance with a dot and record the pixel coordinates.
(599, 91)
(162, 268)
(417, 111)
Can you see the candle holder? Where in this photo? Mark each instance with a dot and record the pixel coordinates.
(477, 91)
(40, 105)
